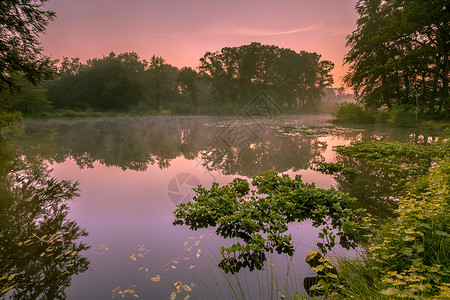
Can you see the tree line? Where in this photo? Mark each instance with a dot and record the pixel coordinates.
(226, 81)
(231, 78)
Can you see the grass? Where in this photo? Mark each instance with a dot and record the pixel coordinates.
(270, 283)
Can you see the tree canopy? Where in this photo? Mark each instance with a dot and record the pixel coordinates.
(237, 74)
(21, 22)
(399, 54)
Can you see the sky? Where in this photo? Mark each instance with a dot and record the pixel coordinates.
(182, 31)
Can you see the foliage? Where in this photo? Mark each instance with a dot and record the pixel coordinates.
(376, 173)
(28, 99)
(353, 113)
(315, 130)
(334, 168)
(397, 115)
(399, 54)
(21, 23)
(9, 118)
(260, 217)
(402, 162)
(109, 83)
(401, 116)
(237, 74)
(227, 82)
(408, 256)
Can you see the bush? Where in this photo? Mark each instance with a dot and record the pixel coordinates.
(9, 118)
(402, 116)
(70, 113)
(353, 113)
(141, 109)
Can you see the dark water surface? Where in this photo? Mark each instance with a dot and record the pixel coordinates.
(133, 170)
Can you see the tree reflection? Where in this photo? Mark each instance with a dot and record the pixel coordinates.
(136, 143)
(40, 249)
(373, 186)
(268, 152)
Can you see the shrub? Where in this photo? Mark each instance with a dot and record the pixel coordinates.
(402, 116)
(9, 118)
(353, 113)
(69, 113)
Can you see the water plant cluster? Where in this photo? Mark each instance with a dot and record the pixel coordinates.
(259, 217)
(316, 130)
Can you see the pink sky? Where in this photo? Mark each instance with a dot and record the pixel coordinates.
(181, 31)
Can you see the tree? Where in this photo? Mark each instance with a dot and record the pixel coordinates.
(21, 22)
(187, 84)
(238, 74)
(399, 54)
(112, 82)
(29, 99)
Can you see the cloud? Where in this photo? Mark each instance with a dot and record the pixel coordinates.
(257, 32)
(261, 32)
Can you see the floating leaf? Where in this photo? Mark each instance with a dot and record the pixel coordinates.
(156, 278)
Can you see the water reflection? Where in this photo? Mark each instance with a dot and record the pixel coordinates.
(136, 143)
(40, 249)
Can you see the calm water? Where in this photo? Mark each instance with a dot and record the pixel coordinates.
(133, 170)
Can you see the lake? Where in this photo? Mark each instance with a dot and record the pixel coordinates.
(132, 171)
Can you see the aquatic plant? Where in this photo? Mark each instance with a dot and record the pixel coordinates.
(316, 130)
(259, 217)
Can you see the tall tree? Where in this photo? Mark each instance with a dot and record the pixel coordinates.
(399, 54)
(238, 74)
(21, 22)
(187, 86)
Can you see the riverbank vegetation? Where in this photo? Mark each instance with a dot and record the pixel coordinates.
(407, 254)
